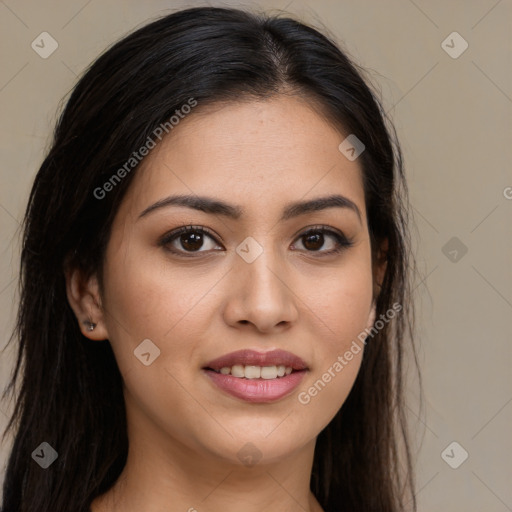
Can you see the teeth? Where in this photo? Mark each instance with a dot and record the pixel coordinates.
(256, 372)
(238, 370)
(252, 372)
(269, 372)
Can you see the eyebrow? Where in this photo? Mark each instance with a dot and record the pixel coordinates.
(217, 207)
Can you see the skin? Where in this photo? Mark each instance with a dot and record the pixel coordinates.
(184, 432)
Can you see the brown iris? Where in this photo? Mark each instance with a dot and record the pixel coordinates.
(191, 241)
(314, 241)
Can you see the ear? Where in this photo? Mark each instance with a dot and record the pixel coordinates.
(85, 300)
(380, 264)
(379, 271)
(372, 315)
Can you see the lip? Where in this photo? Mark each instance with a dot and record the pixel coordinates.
(255, 358)
(257, 390)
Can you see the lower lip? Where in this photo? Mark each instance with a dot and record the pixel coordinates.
(257, 390)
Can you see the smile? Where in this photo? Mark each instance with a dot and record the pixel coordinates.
(255, 376)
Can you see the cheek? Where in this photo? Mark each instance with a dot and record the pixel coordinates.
(152, 302)
(342, 307)
(338, 359)
(341, 301)
(327, 390)
(147, 299)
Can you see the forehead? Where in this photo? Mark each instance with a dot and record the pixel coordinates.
(260, 154)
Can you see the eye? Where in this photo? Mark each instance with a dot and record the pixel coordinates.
(313, 240)
(187, 240)
(190, 238)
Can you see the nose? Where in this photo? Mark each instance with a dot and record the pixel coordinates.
(261, 296)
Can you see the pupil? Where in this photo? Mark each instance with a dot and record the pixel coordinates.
(315, 239)
(191, 241)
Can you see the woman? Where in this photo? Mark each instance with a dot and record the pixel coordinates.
(214, 290)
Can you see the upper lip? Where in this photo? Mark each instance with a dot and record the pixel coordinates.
(255, 358)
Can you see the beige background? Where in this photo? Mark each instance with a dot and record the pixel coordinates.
(453, 117)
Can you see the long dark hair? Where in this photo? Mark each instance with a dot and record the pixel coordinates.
(69, 389)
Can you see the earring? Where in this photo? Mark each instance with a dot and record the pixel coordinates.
(90, 325)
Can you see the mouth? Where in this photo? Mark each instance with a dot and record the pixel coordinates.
(257, 376)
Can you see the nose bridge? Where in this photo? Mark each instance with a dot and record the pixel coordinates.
(261, 274)
(260, 294)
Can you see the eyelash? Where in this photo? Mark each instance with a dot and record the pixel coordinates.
(342, 241)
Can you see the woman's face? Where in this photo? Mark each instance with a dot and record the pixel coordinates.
(245, 279)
